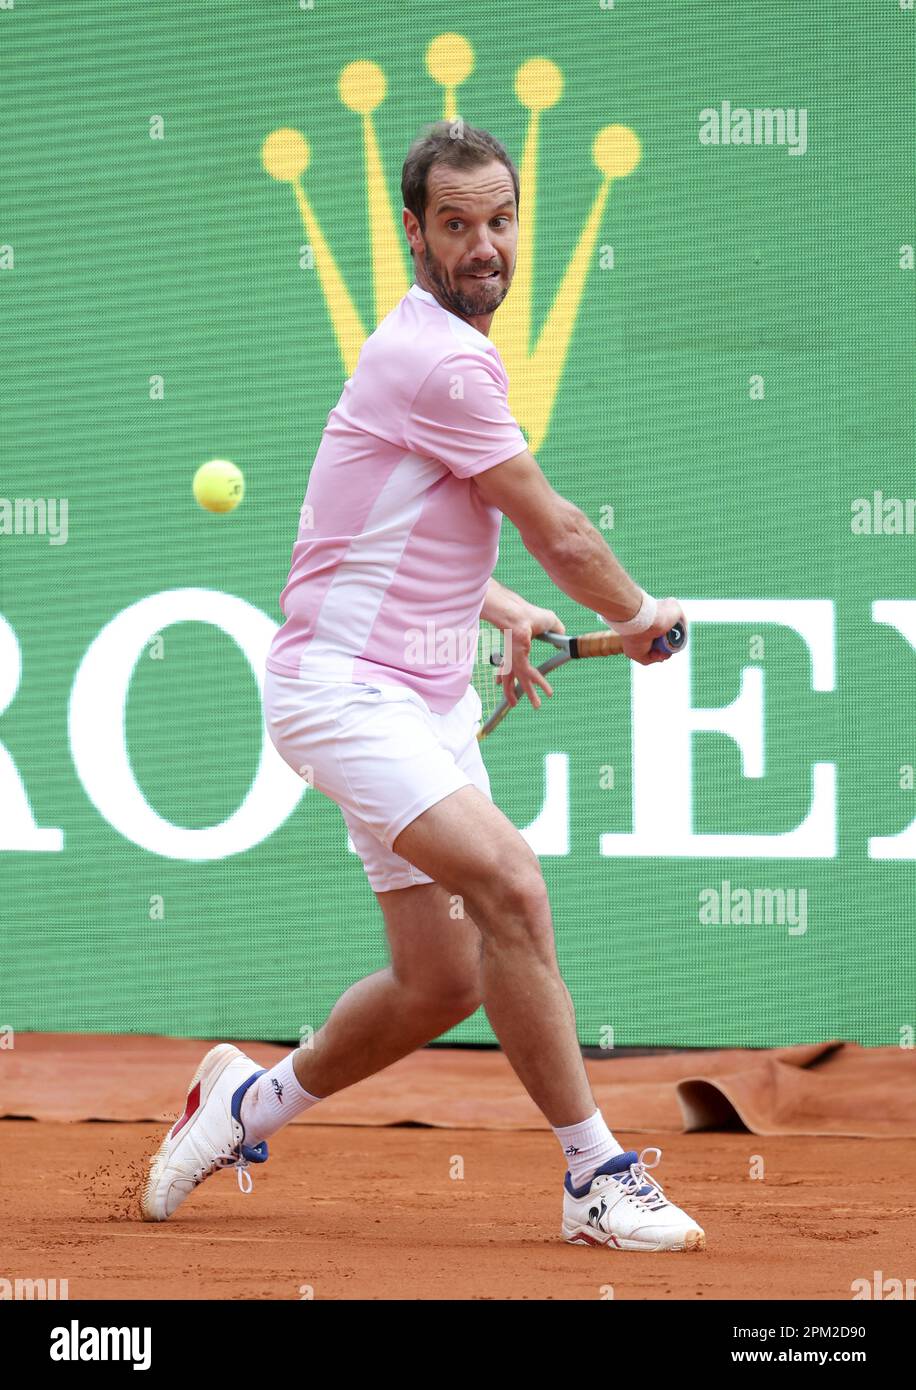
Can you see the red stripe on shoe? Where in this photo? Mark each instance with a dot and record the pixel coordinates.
(192, 1105)
(585, 1239)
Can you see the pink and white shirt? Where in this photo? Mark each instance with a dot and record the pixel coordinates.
(395, 545)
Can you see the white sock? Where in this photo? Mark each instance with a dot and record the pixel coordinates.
(272, 1101)
(587, 1146)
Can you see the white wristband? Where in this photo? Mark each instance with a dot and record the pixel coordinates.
(639, 622)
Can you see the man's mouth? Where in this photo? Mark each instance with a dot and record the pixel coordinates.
(481, 275)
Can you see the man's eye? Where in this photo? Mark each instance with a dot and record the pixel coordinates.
(454, 223)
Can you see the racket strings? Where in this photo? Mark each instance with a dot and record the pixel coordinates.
(484, 673)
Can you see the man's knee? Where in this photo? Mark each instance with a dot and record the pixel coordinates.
(512, 899)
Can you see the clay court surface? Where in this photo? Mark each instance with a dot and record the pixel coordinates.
(373, 1213)
(438, 1178)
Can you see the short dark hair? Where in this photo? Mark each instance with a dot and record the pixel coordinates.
(453, 143)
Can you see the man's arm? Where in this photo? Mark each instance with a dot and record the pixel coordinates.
(560, 537)
(571, 550)
(505, 609)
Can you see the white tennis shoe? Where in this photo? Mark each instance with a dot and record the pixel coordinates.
(621, 1206)
(209, 1135)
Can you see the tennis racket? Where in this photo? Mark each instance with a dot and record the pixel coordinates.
(495, 707)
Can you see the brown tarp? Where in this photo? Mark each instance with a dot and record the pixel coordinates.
(819, 1088)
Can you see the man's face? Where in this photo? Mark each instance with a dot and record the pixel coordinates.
(467, 250)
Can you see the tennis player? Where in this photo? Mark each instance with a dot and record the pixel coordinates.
(419, 461)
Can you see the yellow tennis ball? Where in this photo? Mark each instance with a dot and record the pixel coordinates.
(219, 486)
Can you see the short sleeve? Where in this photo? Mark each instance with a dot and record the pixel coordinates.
(460, 415)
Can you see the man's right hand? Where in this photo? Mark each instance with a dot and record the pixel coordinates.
(639, 648)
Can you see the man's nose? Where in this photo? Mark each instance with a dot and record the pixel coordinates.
(483, 248)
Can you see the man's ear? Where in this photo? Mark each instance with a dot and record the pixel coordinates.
(412, 229)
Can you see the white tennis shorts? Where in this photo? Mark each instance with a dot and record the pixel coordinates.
(380, 753)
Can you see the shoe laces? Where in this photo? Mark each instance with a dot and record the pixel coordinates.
(238, 1161)
(637, 1178)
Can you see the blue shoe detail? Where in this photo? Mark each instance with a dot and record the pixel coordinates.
(619, 1165)
(254, 1153)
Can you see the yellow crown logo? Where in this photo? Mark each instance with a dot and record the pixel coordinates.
(534, 370)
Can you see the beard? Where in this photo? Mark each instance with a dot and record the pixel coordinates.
(464, 297)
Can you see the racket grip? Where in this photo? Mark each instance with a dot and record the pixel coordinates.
(672, 641)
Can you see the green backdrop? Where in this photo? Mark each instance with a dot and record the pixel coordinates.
(739, 374)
